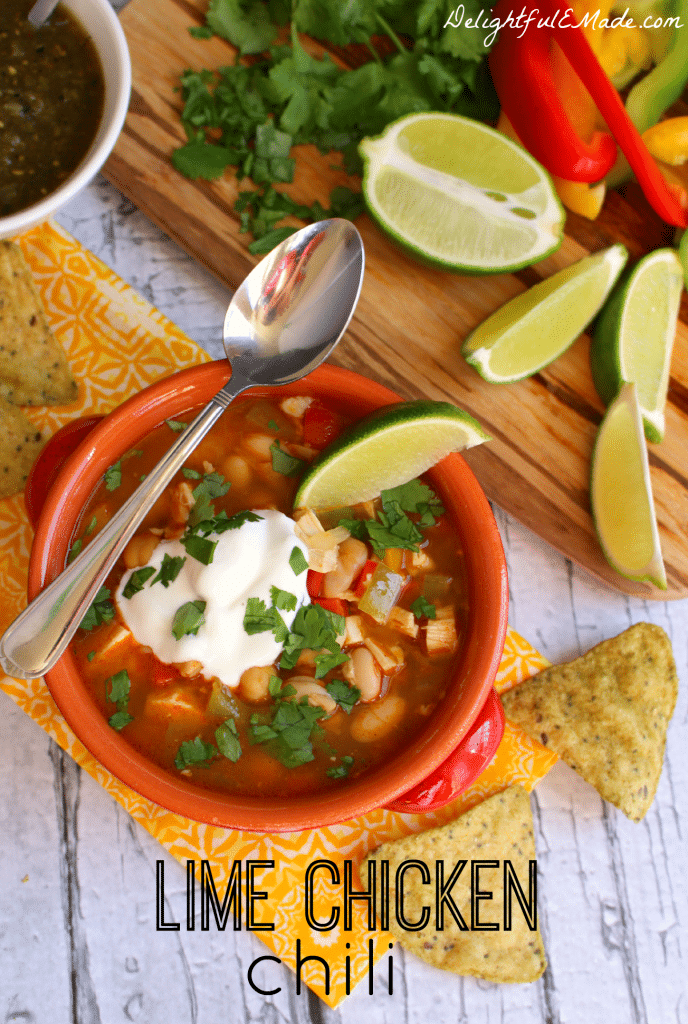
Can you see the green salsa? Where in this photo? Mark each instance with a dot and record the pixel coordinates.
(51, 103)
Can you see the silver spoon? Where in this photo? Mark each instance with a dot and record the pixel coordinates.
(41, 11)
(282, 322)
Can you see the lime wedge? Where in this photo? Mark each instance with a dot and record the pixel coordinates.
(621, 493)
(531, 330)
(635, 334)
(393, 445)
(460, 195)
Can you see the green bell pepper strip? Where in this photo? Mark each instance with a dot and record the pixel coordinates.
(653, 94)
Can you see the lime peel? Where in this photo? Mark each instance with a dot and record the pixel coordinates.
(635, 333)
(621, 494)
(534, 328)
(460, 195)
(393, 445)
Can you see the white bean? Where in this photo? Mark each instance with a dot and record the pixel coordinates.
(366, 673)
(376, 721)
(258, 445)
(139, 550)
(318, 696)
(236, 470)
(255, 683)
(351, 557)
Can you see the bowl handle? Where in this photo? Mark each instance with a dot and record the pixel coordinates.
(462, 767)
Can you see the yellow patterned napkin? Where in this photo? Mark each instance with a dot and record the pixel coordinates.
(117, 344)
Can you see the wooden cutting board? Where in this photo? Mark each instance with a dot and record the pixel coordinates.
(410, 321)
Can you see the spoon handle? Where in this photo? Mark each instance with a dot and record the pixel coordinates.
(38, 637)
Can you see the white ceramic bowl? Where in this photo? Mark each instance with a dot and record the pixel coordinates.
(101, 23)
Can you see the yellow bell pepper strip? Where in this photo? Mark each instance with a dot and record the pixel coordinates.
(653, 94)
(668, 141)
(580, 197)
(666, 200)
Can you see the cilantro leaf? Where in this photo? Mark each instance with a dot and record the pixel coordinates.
(422, 607)
(313, 628)
(170, 568)
(102, 610)
(199, 548)
(341, 770)
(258, 618)
(283, 462)
(245, 23)
(227, 739)
(235, 521)
(191, 474)
(119, 720)
(136, 581)
(113, 476)
(413, 496)
(298, 561)
(346, 696)
(188, 619)
(176, 425)
(194, 752)
(282, 599)
(75, 550)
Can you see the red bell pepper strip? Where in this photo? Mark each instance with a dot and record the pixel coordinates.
(331, 604)
(661, 196)
(361, 582)
(314, 583)
(521, 71)
(522, 74)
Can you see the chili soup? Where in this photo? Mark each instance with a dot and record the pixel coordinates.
(349, 621)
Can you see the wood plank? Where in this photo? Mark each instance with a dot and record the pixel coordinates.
(410, 321)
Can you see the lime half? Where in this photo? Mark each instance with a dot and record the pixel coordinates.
(635, 334)
(459, 194)
(531, 330)
(393, 445)
(621, 493)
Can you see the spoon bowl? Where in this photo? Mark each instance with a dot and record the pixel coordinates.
(282, 322)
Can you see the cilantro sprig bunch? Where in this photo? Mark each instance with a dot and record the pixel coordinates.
(393, 527)
(250, 116)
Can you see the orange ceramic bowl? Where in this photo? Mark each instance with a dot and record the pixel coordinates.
(468, 697)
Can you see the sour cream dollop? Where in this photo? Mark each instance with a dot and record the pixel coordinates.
(247, 562)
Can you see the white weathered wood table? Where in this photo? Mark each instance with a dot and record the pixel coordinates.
(78, 943)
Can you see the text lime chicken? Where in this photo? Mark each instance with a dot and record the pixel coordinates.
(238, 638)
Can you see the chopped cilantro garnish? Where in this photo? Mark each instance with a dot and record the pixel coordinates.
(90, 656)
(282, 599)
(91, 527)
(199, 548)
(289, 731)
(258, 618)
(272, 425)
(113, 476)
(341, 770)
(345, 695)
(315, 629)
(298, 561)
(118, 693)
(188, 619)
(283, 462)
(170, 567)
(221, 525)
(201, 32)
(194, 752)
(136, 581)
(119, 720)
(102, 610)
(421, 607)
(213, 485)
(74, 550)
(176, 425)
(325, 662)
(414, 496)
(227, 739)
(191, 474)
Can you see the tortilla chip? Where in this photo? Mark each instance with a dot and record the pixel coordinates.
(33, 367)
(606, 714)
(20, 443)
(500, 828)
